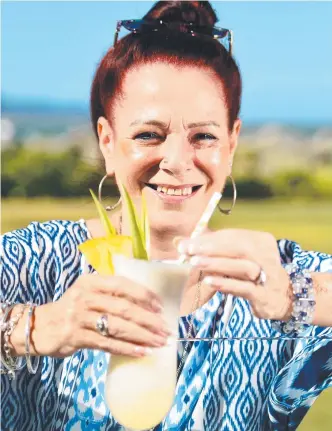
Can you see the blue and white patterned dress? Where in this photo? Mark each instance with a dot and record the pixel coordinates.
(253, 384)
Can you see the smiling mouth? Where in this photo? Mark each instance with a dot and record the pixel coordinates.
(184, 191)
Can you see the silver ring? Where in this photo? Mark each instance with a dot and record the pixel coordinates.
(102, 325)
(261, 279)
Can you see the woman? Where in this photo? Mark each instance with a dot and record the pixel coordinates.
(165, 108)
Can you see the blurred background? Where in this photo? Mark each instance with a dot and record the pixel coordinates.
(283, 168)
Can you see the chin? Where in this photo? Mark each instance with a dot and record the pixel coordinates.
(172, 222)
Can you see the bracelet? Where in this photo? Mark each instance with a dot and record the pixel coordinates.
(303, 301)
(6, 368)
(7, 327)
(31, 369)
(3, 310)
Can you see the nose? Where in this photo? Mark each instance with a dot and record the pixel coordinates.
(177, 156)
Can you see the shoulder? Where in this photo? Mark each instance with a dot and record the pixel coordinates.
(43, 241)
(43, 234)
(38, 258)
(292, 252)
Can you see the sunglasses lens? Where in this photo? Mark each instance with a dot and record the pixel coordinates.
(220, 33)
(137, 25)
(133, 25)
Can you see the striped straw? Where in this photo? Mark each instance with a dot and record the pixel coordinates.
(204, 220)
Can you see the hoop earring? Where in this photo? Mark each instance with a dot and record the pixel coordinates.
(229, 211)
(109, 207)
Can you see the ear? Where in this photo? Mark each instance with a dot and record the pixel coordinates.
(106, 143)
(234, 141)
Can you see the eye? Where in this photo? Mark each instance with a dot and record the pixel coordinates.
(203, 140)
(204, 136)
(147, 136)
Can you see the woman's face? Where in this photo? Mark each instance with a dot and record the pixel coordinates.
(170, 139)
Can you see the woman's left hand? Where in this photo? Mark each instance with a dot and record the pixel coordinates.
(232, 260)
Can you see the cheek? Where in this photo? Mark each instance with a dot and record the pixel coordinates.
(214, 161)
(127, 163)
(216, 158)
(131, 159)
(129, 151)
(132, 162)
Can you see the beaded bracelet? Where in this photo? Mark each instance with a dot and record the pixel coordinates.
(303, 301)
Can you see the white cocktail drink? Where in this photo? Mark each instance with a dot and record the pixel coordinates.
(140, 391)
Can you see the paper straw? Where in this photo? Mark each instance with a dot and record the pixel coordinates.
(204, 220)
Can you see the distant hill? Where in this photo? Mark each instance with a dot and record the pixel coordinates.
(48, 117)
(13, 105)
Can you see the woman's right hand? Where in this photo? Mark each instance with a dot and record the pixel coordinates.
(134, 319)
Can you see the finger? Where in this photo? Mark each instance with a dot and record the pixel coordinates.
(233, 243)
(241, 269)
(243, 289)
(93, 340)
(126, 331)
(124, 288)
(129, 311)
(176, 240)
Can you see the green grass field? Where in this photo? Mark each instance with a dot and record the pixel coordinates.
(308, 223)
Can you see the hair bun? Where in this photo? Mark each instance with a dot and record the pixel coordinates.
(198, 12)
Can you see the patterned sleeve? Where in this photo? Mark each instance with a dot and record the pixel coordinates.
(314, 261)
(291, 252)
(309, 371)
(20, 260)
(38, 263)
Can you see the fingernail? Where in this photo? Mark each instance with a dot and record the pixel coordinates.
(197, 261)
(188, 247)
(142, 351)
(164, 332)
(208, 280)
(138, 351)
(159, 341)
(192, 249)
(171, 340)
(182, 247)
(177, 240)
(166, 329)
(156, 306)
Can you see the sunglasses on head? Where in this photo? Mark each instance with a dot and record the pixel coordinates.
(139, 25)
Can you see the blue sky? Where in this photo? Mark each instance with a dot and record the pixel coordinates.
(51, 49)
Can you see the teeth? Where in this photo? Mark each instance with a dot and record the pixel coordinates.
(175, 192)
(187, 191)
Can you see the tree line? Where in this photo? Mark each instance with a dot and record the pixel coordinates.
(30, 173)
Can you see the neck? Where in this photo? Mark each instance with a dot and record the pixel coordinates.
(162, 245)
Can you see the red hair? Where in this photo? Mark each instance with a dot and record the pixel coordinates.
(174, 48)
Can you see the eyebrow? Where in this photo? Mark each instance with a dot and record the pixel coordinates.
(203, 123)
(163, 125)
(157, 123)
